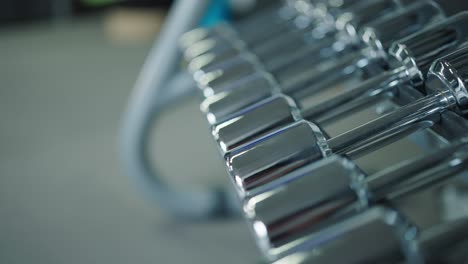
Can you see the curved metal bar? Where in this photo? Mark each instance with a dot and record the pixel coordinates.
(151, 94)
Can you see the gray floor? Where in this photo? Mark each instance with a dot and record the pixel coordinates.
(63, 196)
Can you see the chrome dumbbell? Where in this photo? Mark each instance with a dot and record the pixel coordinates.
(410, 62)
(271, 20)
(312, 197)
(215, 78)
(302, 143)
(272, 28)
(303, 42)
(383, 235)
(224, 104)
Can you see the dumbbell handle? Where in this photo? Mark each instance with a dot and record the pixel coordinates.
(368, 52)
(319, 77)
(276, 64)
(433, 242)
(420, 173)
(446, 82)
(420, 114)
(357, 97)
(432, 177)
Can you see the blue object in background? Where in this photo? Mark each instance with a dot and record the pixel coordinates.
(217, 11)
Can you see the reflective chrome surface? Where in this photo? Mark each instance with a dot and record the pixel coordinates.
(417, 52)
(254, 122)
(363, 13)
(275, 155)
(370, 237)
(303, 203)
(358, 96)
(252, 90)
(442, 242)
(219, 77)
(449, 76)
(307, 198)
(319, 195)
(423, 13)
(364, 139)
(273, 20)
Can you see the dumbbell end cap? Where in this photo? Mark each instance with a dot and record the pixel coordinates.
(361, 229)
(400, 55)
(193, 36)
(451, 72)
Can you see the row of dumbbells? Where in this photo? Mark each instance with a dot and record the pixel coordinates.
(304, 197)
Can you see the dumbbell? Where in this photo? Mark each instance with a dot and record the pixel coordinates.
(226, 40)
(306, 200)
(294, 16)
(384, 235)
(274, 17)
(260, 86)
(304, 41)
(302, 143)
(433, 43)
(409, 57)
(215, 78)
(267, 20)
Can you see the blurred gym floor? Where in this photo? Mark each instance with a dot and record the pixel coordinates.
(63, 195)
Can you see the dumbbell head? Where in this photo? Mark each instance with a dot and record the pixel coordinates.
(383, 235)
(202, 63)
(418, 51)
(371, 56)
(243, 59)
(378, 35)
(221, 31)
(450, 75)
(220, 107)
(253, 164)
(232, 31)
(240, 67)
(223, 37)
(270, 11)
(226, 41)
(318, 195)
(352, 19)
(193, 36)
(258, 162)
(372, 236)
(275, 155)
(299, 203)
(411, 52)
(256, 120)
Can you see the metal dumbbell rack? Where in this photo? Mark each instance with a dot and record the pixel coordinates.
(277, 82)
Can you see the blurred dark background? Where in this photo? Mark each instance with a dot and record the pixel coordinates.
(66, 72)
(12, 11)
